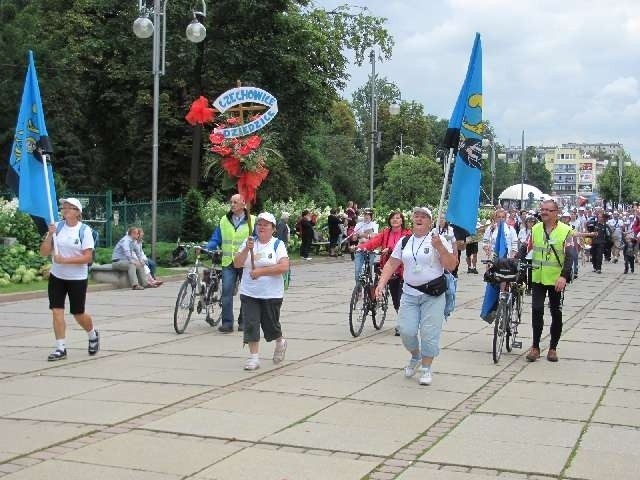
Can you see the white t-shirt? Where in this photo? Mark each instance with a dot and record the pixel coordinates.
(70, 245)
(267, 286)
(365, 227)
(421, 261)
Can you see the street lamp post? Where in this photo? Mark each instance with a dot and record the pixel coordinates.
(490, 142)
(144, 28)
(394, 109)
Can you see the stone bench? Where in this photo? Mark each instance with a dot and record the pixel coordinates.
(106, 274)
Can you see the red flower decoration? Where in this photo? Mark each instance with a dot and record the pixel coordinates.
(221, 150)
(249, 182)
(233, 120)
(216, 138)
(244, 150)
(253, 142)
(232, 166)
(200, 112)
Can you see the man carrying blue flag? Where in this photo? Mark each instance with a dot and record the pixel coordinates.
(30, 175)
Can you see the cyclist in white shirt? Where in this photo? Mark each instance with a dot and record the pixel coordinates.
(363, 232)
(617, 225)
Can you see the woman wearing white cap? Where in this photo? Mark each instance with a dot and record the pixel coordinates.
(424, 256)
(69, 274)
(262, 289)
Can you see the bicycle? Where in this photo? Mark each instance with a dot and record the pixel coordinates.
(199, 293)
(509, 310)
(363, 299)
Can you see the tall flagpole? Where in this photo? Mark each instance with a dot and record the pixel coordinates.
(447, 167)
(522, 174)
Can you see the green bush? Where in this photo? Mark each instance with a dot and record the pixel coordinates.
(192, 221)
(211, 213)
(14, 223)
(21, 265)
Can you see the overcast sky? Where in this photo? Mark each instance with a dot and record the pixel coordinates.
(562, 70)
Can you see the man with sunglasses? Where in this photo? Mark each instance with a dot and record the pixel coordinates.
(551, 244)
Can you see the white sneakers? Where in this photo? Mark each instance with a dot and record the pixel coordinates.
(410, 369)
(413, 366)
(253, 363)
(425, 376)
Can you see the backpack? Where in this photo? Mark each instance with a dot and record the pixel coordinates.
(83, 227)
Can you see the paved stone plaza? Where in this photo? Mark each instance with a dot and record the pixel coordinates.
(160, 406)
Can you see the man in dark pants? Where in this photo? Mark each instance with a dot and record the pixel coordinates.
(551, 242)
(601, 237)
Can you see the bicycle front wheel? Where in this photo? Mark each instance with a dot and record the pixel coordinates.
(212, 302)
(184, 306)
(358, 310)
(383, 305)
(499, 329)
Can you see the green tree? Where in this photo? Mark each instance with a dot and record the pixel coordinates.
(609, 182)
(408, 181)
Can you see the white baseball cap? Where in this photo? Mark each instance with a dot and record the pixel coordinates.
(424, 210)
(73, 201)
(268, 217)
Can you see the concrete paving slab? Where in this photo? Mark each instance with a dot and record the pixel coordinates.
(16, 403)
(279, 465)
(359, 427)
(18, 331)
(420, 471)
(310, 386)
(461, 362)
(244, 415)
(632, 355)
(23, 436)
(402, 391)
(86, 411)
(566, 371)
(481, 440)
(627, 376)
(617, 337)
(607, 452)
(180, 456)
(593, 351)
(544, 400)
(50, 386)
(143, 392)
(82, 471)
(375, 355)
(620, 407)
(354, 373)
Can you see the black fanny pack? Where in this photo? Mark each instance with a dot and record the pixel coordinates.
(435, 287)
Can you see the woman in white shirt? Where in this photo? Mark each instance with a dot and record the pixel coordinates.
(69, 275)
(262, 289)
(491, 233)
(425, 255)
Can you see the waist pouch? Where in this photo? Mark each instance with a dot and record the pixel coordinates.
(435, 287)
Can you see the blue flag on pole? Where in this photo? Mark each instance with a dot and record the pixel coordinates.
(492, 291)
(464, 135)
(26, 176)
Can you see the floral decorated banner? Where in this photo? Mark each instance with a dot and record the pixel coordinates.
(239, 95)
